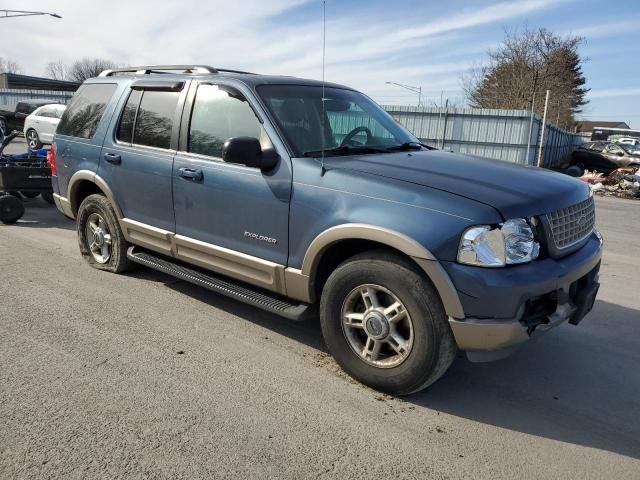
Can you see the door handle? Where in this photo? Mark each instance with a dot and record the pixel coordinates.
(190, 174)
(113, 158)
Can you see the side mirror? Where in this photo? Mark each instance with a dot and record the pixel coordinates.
(247, 151)
(620, 154)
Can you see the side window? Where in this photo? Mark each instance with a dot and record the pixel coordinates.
(45, 112)
(220, 113)
(125, 129)
(611, 148)
(82, 116)
(154, 120)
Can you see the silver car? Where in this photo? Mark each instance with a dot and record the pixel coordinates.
(40, 126)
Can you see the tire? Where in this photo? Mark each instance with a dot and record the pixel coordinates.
(33, 139)
(29, 194)
(11, 209)
(47, 197)
(96, 210)
(430, 346)
(575, 171)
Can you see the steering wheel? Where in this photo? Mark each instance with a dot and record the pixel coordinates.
(349, 137)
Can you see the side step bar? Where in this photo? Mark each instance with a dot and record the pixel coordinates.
(224, 286)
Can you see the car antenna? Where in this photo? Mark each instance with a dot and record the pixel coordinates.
(324, 17)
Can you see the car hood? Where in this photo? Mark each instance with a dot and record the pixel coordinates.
(514, 190)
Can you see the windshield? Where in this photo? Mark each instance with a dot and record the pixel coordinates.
(632, 149)
(353, 123)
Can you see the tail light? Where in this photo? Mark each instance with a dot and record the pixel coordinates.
(51, 159)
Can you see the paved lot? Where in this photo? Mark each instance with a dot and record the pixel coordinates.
(17, 145)
(142, 376)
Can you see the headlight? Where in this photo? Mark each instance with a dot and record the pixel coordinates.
(511, 243)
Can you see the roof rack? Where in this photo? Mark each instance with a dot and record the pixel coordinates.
(159, 69)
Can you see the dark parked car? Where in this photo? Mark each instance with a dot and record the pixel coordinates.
(602, 157)
(286, 193)
(12, 117)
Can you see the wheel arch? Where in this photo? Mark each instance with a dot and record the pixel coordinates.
(336, 244)
(84, 183)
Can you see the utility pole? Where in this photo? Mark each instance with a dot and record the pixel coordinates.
(533, 102)
(544, 125)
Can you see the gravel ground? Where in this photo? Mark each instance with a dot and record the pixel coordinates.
(143, 376)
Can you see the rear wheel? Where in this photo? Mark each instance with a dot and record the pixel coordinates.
(101, 241)
(33, 140)
(11, 209)
(385, 325)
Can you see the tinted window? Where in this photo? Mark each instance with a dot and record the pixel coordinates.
(82, 116)
(155, 119)
(220, 113)
(125, 129)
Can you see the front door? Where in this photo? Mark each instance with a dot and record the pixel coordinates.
(234, 216)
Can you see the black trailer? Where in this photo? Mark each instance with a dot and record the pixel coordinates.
(24, 175)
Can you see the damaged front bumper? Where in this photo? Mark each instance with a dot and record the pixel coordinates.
(506, 307)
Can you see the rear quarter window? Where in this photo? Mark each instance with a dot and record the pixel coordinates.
(84, 112)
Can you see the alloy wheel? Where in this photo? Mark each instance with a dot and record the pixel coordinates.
(377, 326)
(32, 139)
(98, 238)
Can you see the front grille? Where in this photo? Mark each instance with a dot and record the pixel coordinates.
(572, 224)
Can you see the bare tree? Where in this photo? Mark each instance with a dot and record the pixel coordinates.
(9, 66)
(56, 70)
(528, 65)
(88, 68)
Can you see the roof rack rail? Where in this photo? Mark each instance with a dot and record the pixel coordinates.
(147, 69)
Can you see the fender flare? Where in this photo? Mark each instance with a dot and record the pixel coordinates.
(81, 175)
(299, 281)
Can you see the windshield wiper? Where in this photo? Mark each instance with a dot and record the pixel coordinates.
(345, 150)
(410, 146)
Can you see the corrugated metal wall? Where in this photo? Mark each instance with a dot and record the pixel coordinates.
(10, 96)
(493, 133)
(499, 134)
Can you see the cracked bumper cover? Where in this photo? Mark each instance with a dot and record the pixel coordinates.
(496, 302)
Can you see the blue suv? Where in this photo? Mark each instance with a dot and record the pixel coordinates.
(289, 194)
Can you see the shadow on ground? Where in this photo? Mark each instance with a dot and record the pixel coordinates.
(579, 385)
(40, 214)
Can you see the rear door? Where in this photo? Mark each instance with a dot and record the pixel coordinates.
(227, 205)
(137, 156)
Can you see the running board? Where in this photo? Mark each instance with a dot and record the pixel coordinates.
(224, 286)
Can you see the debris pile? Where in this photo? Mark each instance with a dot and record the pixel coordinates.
(622, 182)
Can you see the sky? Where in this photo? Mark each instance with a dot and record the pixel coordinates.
(431, 44)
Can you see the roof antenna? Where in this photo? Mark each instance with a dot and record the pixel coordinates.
(324, 16)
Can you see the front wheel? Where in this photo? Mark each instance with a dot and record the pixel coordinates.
(33, 140)
(385, 325)
(101, 241)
